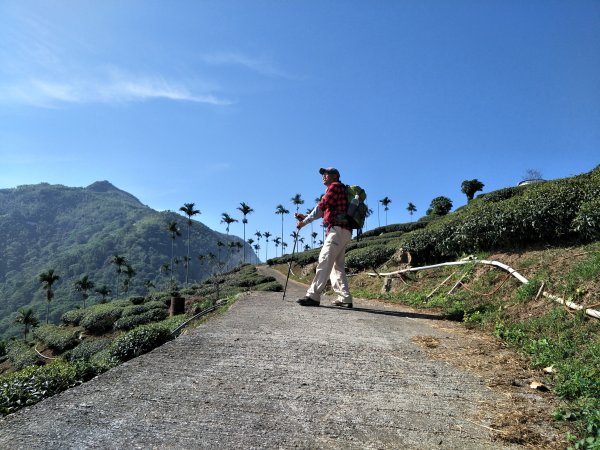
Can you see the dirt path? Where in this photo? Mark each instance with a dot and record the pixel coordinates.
(272, 374)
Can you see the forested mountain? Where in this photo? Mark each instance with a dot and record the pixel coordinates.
(78, 231)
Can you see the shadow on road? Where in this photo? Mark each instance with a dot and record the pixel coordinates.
(412, 315)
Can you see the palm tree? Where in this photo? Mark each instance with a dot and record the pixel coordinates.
(470, 187)
(227, 220)
(281, 210)
(26, 317)
(250, 242)
(118, 261)
(411, 208)
(165, 269)
(297, 200)
(47, 279)
(295, 235)
(189, 211)
(314, 235)
(83, 285)
(258, 235)
(173, 229)
(211, 257)
(129, 273)
(220, 244)
(267, 235)
(149, 284)
(385, 201)
(277, 241)
(257, 251)
(104, 292)
(245, 210)
(369, 214)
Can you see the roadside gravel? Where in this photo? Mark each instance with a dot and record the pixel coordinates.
(272, 374)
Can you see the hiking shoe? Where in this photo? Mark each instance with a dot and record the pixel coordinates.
(341, 303)
(307, 301)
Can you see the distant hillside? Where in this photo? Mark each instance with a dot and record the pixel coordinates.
(76, 231)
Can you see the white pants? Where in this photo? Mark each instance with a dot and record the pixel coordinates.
(331, 266)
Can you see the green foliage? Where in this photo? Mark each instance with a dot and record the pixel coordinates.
(502, 194)
(33, 384)
(101, 318)
(101, 220)
(136, 299)
(528, 291)
(440, 206)
(139, 341)
(56, 338)
(133, 320)
(270, 286)
(20, 354)
(543, 212)
(2, 348)
(73, 317)
(572, 346)
(369, 257)
(302, 258)
(87, 349)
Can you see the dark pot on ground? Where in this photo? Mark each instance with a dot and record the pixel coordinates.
(177, 306)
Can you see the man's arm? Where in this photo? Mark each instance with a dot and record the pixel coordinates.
(315, 214)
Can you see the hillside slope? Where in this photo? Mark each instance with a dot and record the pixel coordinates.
(77, 231)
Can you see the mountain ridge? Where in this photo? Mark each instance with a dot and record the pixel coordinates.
(76, 231)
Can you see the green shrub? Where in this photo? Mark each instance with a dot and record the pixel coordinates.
(369, 257)
(87, 349)
(501, 194)
(136, 299)
(74, 316)
(251, 281)
(139, 341)
(33, 384)
(587, 221)
(134, 310)
(132, 321)
(56, 338)
(20, 354)
(120, 303)
(543, 212)
(394, 229)
(101, 318)
(271, 286)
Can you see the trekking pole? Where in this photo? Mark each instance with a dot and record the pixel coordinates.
(290, 263)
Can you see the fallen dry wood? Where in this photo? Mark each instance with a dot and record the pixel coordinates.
(590, 312)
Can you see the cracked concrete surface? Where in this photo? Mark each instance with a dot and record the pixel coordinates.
(272, 374)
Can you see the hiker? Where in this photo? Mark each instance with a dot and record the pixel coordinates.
(331, 259)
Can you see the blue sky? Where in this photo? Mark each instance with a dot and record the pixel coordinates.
(222, 102)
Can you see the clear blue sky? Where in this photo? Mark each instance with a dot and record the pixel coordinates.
(222, 102)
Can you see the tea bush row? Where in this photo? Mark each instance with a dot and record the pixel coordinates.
(35, 383)
(139, 341)
(132, 321)
(87, 349)
(546, 212)
(101, 318)
(20, 354)
(56, 338)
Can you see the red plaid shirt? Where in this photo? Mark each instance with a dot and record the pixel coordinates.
(334, 203)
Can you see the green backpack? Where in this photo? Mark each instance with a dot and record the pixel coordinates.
(357, 209)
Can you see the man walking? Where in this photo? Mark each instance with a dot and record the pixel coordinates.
(332, 208)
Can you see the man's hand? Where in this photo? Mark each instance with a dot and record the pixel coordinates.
(299, 217)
